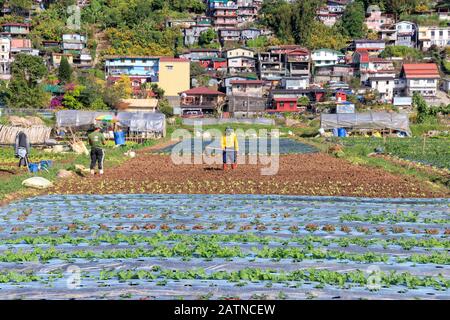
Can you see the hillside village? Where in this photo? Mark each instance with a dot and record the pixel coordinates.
(225, 150)
(226, 58)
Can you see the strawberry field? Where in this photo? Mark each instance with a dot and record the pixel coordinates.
(432, 151)
(224, 246)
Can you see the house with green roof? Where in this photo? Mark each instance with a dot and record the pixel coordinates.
(327, 57)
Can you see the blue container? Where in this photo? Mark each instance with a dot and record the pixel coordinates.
(46, 163)
(342, 132)
(119, 138)
(34, 167)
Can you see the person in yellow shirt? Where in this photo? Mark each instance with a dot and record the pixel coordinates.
(230, 147)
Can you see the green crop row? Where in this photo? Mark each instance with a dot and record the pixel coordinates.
(325, 277)
(158, 238)
(215, 250)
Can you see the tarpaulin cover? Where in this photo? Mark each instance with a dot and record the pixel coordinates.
(136, 121)
(369, 120)
(143, 122)
(77, 118)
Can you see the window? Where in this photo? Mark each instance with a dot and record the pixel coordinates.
(430, 81)
(387, 82)
(133, 60)
(281, 104)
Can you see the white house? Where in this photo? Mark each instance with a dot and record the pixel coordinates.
(420, 77)
(438, 36)
(295, 83)
(327, 57)
(384, 86)
(5, 49)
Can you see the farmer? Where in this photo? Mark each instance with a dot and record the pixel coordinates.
(230, 148)
(22, 148)
(96, 141)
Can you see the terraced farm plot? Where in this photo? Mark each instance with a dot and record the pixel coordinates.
(224, 246)
(435, 151)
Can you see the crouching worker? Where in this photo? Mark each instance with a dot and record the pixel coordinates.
(22, 149)
(230, 148)
(96, 141)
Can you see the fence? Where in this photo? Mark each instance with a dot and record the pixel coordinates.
(44, 113)
(212, 121)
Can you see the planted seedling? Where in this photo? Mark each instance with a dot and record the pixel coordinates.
(311, 227)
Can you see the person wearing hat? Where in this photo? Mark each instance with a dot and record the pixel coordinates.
(96, 141)
(230, 148)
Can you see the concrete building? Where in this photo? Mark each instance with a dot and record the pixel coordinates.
(5, 62)
(15, 29)
(374, 47)
(249, 88)
(384, 86)
(375, 18)
(433, 36)
(241, 64)
(192, 34)
(73, 43)
(206, 99)
(327, 57)
(403, 33)
(419, 77)
(56, 58)
(170, 74)
(295, 83)
(224, 14)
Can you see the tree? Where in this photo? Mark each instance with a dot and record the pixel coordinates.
(25, 90)
(20, 6)
(206, 37)
(325, 37)
(64, 70)
(71, 96)
(159, 92)
(196, 69)
(113, 94)
(352, 22)
(303, 18)
(424, 114)
(404, 52)
(29, 68)
(165, 107)
(277, 15)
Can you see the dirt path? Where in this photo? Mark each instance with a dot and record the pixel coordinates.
(307, 174)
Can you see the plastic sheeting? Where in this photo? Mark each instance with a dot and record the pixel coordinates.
(143, 122)
(135, 121)
(77, 118)
(208, 217)
(369, 120)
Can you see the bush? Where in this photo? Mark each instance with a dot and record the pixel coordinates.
(165, 108)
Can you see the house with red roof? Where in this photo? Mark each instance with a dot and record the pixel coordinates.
(418, 77)
(368, 66)
(202, 98)
(283, 104)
